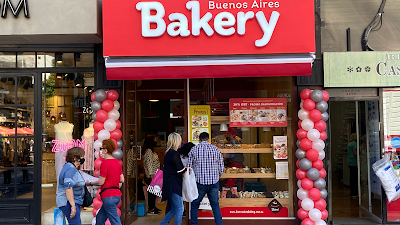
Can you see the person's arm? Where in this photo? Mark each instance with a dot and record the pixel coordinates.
(69, 182)
(70, 196)
(190, 160)
(121, 178)
(99, 182)
(220, 164)
(355, 152)
(179, 168)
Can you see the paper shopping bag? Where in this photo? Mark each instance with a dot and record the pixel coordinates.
(155, 186)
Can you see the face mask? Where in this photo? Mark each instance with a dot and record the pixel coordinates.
(81, 161)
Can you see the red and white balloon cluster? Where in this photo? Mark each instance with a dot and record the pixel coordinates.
(107, 125)
(310, 153)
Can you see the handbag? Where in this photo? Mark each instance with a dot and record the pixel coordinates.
(156, 184)
(87, 197)
(189, 187)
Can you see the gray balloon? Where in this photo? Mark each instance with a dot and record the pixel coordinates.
(119, 143)
(118, 154)
(325, 116)
(96, 106)
(322, 106)
(94, 116)
(300, 153)
(305, 164)
(313, 174)
(298, 143)
(320, 184)
(100, 95)
(316, 95)
(324, 193)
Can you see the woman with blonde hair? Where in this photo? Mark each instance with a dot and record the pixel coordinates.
(172, 179)
(352, 163)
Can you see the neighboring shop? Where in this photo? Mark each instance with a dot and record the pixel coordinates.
(224, 68)
(364, 96)
(47, 72)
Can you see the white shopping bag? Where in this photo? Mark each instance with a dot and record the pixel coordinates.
(189, 187)
(384, 170)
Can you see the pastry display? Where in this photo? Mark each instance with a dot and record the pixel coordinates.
(248, 170)
(241, 146)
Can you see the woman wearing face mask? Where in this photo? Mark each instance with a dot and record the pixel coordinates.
(109, 179)
(70, 190)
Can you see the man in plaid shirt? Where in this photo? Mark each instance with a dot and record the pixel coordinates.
(207, 163)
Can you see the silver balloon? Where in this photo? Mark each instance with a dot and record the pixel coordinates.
(119, 143)
(313, 174)
(100, 95)
(118, 154)
(320, 184)
(324, 193)
(298, 143)
(300, 153)
(322, 106)
(96, 106)
(305, 164)
(94, 116)
(316, 95)
(325, 116)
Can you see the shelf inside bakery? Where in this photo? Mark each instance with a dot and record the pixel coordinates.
(251, 202)
(248, 175)
(246, 150)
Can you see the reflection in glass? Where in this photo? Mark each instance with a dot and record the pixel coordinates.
(7, 152)
(7, 90)
(25, 94)
(25, 117)
(45, 60)
(25, 152)
(24, 183)
(8, 59)
(64, 59)
(26, 60)
(84, 59)
(7, 180)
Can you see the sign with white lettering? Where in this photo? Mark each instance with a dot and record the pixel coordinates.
(361, 69)
(184, 27)
(64, 145)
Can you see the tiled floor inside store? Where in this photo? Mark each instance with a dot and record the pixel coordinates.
(155, 219)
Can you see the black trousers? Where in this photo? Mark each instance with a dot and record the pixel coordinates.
(353, 180)
(151, 199)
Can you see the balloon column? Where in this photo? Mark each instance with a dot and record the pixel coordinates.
(105, 114)
(310, 153)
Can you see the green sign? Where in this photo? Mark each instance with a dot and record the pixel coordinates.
(361, 69)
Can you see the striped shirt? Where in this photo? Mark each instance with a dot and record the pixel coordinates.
(207, 163)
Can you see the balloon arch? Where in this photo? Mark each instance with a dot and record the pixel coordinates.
(107, 125)
(310, 153)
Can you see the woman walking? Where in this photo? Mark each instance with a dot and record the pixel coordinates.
(172, 179)
(70, 190)
(109, 179)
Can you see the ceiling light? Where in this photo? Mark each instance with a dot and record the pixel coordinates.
(223, 127)
(59, 57)
(59, 76)
(77, 57)
(154, 100)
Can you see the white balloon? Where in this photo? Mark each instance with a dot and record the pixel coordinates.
(103, 135)
(302, 194)
(116, 105)
(301, 104)
(318, 145)
(320, 222)
(312, 134)
(299, 183)
(303, 114)
(97, 145)
(321, 155)
(315, 214)
(110, 125)
(307, 124)
(94, 220)
(97, 154)
(113, 114)
(307, 204)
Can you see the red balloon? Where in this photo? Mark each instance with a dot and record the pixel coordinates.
(300, 202)
(301, 133)
(305, 94)
(92, 97)
(307, 221)
(312, 155)
(96, 173)
(98, 126)
(115, 142)
(119, 212)
(116, 134)
(118, 124)
(324, 214)
(305, 144)
(315, 115)
(107, 105)
(298, 163)
(299, 123)
(94, 212)
(314, 194)
(318, 164)
(301, 174)
(102, 116)
(96, 135)
(119, 204)
(320, 125)
(323, 136)
(325, 95)
(98, 194)
(112, 95)
(97, 164)
(308, 104)
(120, 162)
(307, 184)
(322, 173)
(320, 204)
(97, 203)
(107, 222)
(302, 214)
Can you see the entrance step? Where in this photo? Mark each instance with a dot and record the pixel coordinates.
(86, 216)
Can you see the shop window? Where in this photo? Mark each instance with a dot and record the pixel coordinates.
(24, 182)
(7, 90)
(64, 59)
(25, 91)
(8, 59)
(45, 60)
(25, 150)
(7, 182)
(84, 59)
(26, 60)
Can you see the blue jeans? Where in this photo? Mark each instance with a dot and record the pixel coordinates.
(76, 220)
(176, 210)
(109, 210)
(212, 194)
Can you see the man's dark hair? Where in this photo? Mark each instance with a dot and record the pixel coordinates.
(185, 149)
(204, 136)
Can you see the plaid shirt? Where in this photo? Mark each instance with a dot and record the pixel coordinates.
(207, 163)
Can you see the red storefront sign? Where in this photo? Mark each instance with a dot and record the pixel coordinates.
(182, 27)
(258, 112)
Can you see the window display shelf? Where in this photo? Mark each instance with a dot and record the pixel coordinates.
(248, 175)
(247, 150)
(251, 202)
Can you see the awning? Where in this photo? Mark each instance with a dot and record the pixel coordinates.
(211, 67)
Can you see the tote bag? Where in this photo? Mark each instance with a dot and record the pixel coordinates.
(156, 184)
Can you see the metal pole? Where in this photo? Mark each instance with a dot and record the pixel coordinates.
(358, 155)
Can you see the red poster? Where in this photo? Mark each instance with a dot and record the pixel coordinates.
(258, 112)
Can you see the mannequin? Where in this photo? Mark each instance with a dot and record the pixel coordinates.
(63, 131)
(89, 153)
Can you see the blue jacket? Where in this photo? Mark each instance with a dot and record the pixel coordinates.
(70, 177)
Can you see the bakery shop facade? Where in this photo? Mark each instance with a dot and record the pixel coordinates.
(226, 68)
